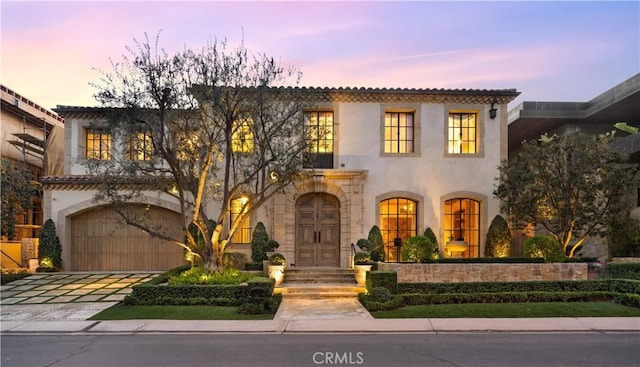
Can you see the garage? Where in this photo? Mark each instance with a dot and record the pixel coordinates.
(100, 242)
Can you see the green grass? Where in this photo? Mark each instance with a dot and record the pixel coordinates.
(511, 310)
(120, 312)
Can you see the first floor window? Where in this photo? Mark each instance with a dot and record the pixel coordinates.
(462, 224)
(98, 144)
(243, 232)
(398, 222)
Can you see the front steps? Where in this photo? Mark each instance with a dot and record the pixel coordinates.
(319, 283)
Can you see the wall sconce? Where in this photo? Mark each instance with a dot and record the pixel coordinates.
(493, 111)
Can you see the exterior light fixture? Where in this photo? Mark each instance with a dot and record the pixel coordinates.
(493, 111)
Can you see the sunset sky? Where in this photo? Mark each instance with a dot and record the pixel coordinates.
(557, 51)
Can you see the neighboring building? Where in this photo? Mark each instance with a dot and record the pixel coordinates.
(29, 134)
(530, 120)
(401, 159)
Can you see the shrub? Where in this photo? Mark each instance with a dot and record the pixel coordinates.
(418, 249)
(220, 295)
(364, 244)
(545, 247)
(277, 259)
(234, 260)
(271, 246)
(362, 258)
(623, 236)
(265, 284)
(259, 240)
(428, 232)
(49, 249)
(376, 248)
(623, 270)
(198, 275)
(491, 260)
(498, 242)
(379, 294)
(8, 277)
(386, 279)
(253, 266)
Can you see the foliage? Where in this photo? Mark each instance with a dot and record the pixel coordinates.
(507, 297)
(599, 285)
(253, 266)
(221, 295)
(259, 240)
(49, 248)
(428, 232)
(386, 279)
(277, 259)
(16, 192)
(498, 242)
(171, 312)
(545, 247)
(364, 244)
(570, 185)
(629, 270)
(199, 275)
(376, 244)
(220, 124)
(623, 236)
(362, 258)
(234, 260)
(418, 249)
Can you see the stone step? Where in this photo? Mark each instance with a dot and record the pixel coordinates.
(319, 276)
(318, 290)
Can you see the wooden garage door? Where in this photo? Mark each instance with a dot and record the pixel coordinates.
(100, 242)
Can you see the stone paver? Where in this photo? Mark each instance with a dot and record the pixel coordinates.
(63, 296)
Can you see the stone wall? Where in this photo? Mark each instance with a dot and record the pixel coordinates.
(457, 273)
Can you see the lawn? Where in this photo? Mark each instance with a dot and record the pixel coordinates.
(511, 310)
(120, 312)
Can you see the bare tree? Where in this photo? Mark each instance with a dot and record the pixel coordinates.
(203, 127)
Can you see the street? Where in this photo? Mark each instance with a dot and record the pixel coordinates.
(178, 349)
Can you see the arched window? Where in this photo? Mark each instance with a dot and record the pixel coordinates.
(398, 220)
(462, 223)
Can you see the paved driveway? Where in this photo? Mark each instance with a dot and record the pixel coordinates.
(65, 296)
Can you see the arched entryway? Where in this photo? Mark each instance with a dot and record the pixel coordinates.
(317, 230)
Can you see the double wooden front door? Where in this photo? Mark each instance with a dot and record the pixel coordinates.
(317, 230)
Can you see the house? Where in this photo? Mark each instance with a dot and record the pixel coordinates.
(621, 103)
(401, 159)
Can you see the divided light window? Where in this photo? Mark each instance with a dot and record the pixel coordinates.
(462, 133)
(319, 127)
(98, 144)
(243, 233)
(398, 132)
(140, 146)
(242, 136)
(398, 221)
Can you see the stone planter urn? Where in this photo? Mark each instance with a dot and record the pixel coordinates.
(361, 274)
(275, 268)
(457, 248)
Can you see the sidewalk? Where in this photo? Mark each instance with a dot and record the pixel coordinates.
(613, 324)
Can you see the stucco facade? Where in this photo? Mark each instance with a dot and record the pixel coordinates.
(364, 175)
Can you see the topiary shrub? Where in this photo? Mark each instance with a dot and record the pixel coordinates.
(362, 258)
(498, 242)
(259, 240)
(364, 244)
(386, 279)
(49, 248)
(544, 246)
(277, 259)
(428, 232)
(271, 246)
(418, 249)
(376, 244)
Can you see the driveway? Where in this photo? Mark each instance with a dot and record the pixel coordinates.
(65, 296)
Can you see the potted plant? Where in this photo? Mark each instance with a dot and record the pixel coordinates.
(362, 264)
(276, 266)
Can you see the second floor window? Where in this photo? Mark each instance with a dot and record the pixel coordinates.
(319, 125)
(398, 132)
(242, 136)
(462, 133)
(98, 144)
(140, 147)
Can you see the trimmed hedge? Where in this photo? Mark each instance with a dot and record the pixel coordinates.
(491, 260)
(208, 294)
(599, 285)
(506, 297)
(386, 279)
(623, 270)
